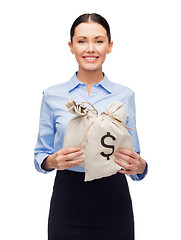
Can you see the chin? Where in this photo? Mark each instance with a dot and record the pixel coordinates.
(90, 68)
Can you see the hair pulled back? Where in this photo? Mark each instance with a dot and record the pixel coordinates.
(90, 17)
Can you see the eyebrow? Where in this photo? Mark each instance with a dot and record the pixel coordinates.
(86, 37)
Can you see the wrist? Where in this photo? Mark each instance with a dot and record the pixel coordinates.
(142, 167)
(46, 164)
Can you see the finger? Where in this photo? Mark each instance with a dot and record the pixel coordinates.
(128, 168)
(125, 157)
(74, 163)
(123, 164)
(69, 164)
(70, 156)
(128, 152)
(124, 172)
(128, 172)
(68, 150)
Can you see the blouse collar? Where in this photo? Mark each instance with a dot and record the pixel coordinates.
(74, 82)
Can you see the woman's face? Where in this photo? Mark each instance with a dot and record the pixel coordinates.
(90, 45)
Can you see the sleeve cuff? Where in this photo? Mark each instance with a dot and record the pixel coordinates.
(39, 158)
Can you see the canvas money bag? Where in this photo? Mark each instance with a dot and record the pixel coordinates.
(99, 136)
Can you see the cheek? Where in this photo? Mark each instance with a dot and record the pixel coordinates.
(79, 50)
(102, 51)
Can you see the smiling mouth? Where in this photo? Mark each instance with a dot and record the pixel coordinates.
(90, 58)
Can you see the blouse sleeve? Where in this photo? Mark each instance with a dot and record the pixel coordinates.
(45, 142)
(131, 122)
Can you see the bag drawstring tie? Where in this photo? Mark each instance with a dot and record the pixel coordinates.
(116, 120)
(107, 114)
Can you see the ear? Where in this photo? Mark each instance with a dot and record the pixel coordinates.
(71, 47)
(110, 47)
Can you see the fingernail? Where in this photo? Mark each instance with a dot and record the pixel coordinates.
(116, 153)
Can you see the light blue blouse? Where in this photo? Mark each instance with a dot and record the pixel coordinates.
(54, 116)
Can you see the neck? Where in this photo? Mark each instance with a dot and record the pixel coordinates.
(90, 77)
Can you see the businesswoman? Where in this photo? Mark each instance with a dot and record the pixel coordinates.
(100, 209)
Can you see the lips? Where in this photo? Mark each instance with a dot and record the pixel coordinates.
(90, 58)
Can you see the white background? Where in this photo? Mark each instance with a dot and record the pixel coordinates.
(146, 57)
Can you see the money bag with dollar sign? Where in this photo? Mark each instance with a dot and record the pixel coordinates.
(99, 136)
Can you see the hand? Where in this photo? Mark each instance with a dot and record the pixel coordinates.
(135, 164)
(62, 159)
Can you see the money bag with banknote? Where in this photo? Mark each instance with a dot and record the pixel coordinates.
(99, 136)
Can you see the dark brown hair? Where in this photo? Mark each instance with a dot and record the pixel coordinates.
(90, 17)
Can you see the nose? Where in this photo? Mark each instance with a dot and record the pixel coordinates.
(90, 48)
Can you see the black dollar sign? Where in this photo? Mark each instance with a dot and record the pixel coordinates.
(107, 146)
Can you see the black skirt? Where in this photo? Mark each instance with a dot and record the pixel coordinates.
(97, 210)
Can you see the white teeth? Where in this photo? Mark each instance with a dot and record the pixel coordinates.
(90, 58)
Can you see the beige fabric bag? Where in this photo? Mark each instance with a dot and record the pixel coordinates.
(98, 137)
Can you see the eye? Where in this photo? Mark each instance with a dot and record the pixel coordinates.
(81, 41)
(99, 41)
